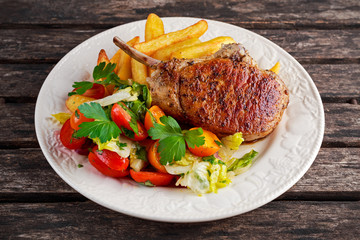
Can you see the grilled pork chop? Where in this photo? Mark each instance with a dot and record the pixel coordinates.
(225, 93)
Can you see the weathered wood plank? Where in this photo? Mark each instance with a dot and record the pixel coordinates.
(294, 220)
(19, 81)
(342, 122)
(334, 82)
(342, 125)
(262, 14)
(307, 46)
(17, 125)
(333, 175)
(49, 45)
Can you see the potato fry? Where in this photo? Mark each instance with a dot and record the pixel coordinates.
(115, 59)
(275, 68)
(138, 71)
(154, 27)
(194, 31)
(202, 49)
(103, 57)
(165, 53)
(74, 101)
(124, 72)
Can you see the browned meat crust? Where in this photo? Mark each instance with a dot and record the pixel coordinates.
(224, 94)
(226, 97)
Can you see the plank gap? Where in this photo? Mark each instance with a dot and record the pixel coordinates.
(19, 145)
(255, 25)
(320, 196)
(340, 100)
(19, 99)
(322, 61)
(41, 197)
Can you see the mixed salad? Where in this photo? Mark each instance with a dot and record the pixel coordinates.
(123, 135)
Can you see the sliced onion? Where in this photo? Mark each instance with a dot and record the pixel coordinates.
(125, 94)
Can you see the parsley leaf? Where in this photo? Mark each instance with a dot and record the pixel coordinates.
(172, 144)
(102, 74)
(170, 128)
(93, 110)
(102, 128)
(81, 87)
(112, 78)
(193, 137)
(171, 148)
(103, 70)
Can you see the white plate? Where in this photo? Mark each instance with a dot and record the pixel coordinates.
(284, 156)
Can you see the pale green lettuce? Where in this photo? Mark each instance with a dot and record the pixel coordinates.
(120, 145)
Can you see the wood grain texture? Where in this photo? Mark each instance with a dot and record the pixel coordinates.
(25, 172)
(307, 46)
(250, 14)
(335, 82)
(87, 220)
(341, 121)
(324, 36)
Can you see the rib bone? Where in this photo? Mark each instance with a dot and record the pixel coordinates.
(139, 56)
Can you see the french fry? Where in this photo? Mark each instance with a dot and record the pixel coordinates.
(275, 68)
(202, 49)
(115, 59)
(138, 71)
(165, 53)
(103, 57)
(154, 27)
(194, 31)
(74, 101)
(124, 72)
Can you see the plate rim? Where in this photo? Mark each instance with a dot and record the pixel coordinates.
(269, 197)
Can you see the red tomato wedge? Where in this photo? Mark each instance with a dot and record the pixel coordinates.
(78, 118)
(156, 178)
(67, 139)
(157, 113)
(109, 163)
(209, 148)
(154, 158)
(97, 91)
(122, 119)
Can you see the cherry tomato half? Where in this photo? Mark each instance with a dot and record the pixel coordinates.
(67, 139)
(154, 158)
(156, 178)
(109, 163)
(97, 91)
(78, 118)
(157, 114)
(209, 147)
(122, 119)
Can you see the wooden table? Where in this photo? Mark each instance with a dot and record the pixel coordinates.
(324, 37)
